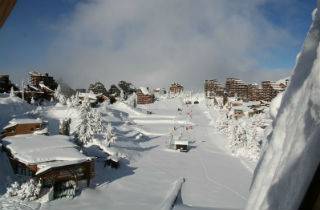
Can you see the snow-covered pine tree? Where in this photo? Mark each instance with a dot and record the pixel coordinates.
(59, 96)
(111, 136)
(29, 190)
(12, 92)
(32, 101)
(91, 123)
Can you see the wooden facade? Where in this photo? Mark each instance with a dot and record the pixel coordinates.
(54, 170)
(144, 98)
(77, 172)
(36, 78)
(176, 88)
(22, 129)
(213, 88)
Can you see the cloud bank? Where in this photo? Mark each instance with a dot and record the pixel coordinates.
(155, 42)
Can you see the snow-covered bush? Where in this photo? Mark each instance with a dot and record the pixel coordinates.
(246, 135)
(29, 190)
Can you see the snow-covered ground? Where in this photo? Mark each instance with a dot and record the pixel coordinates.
(148, 176)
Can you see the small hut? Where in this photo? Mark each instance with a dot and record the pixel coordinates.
(183, 146)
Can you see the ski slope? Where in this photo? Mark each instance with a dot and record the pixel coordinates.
(213, 178)
(147, 178)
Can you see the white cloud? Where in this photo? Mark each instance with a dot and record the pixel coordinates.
(155, 42)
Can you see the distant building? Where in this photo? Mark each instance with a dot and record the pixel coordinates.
(23, 126)
(271, 89)
(54, 160)
(40, 81)
(255, 93)
(213, 88)
(236, 87)
(176, 88)
(144, 96)
(248, 92)
(5, 84)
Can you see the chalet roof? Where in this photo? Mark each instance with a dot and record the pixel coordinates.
(91, 96)
(44, 151)
(22, 121)
(145, 91)
(181, 143)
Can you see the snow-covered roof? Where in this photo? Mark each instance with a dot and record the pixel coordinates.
(42, 85)
(114, 158)
(22, 121)
(39, 149)
(181, 143)
(145, 90)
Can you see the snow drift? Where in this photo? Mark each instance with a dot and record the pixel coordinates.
(287, 166)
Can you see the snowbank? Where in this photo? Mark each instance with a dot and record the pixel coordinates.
(168, 202)
(275, 105)
(11, 107)
(292, 156)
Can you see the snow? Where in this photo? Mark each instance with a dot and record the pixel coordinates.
(148, 174)
(181, 142)
(292, 154)
(11, 107)
(144, 90)
(35, 149)
(275, 105)
(169, 201)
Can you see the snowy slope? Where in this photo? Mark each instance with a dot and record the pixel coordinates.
(292, 156)
(12, 107)
(214, 178)
(6, 172)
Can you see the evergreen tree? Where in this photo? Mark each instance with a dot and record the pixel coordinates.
(91, 123)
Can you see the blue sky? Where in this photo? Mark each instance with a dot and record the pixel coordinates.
(41, 34)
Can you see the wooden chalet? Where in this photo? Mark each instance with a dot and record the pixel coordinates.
(24, 126)
(144, 96)
(54, 160)
(176, 88)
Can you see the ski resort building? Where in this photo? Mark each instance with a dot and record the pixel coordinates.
(255, 93)
(236, 87)
(144, 96)
(54, 160)
(213, 88)
(36, 79)
(5, 84)
(271, 89)
(175, 88)
(24, 126)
